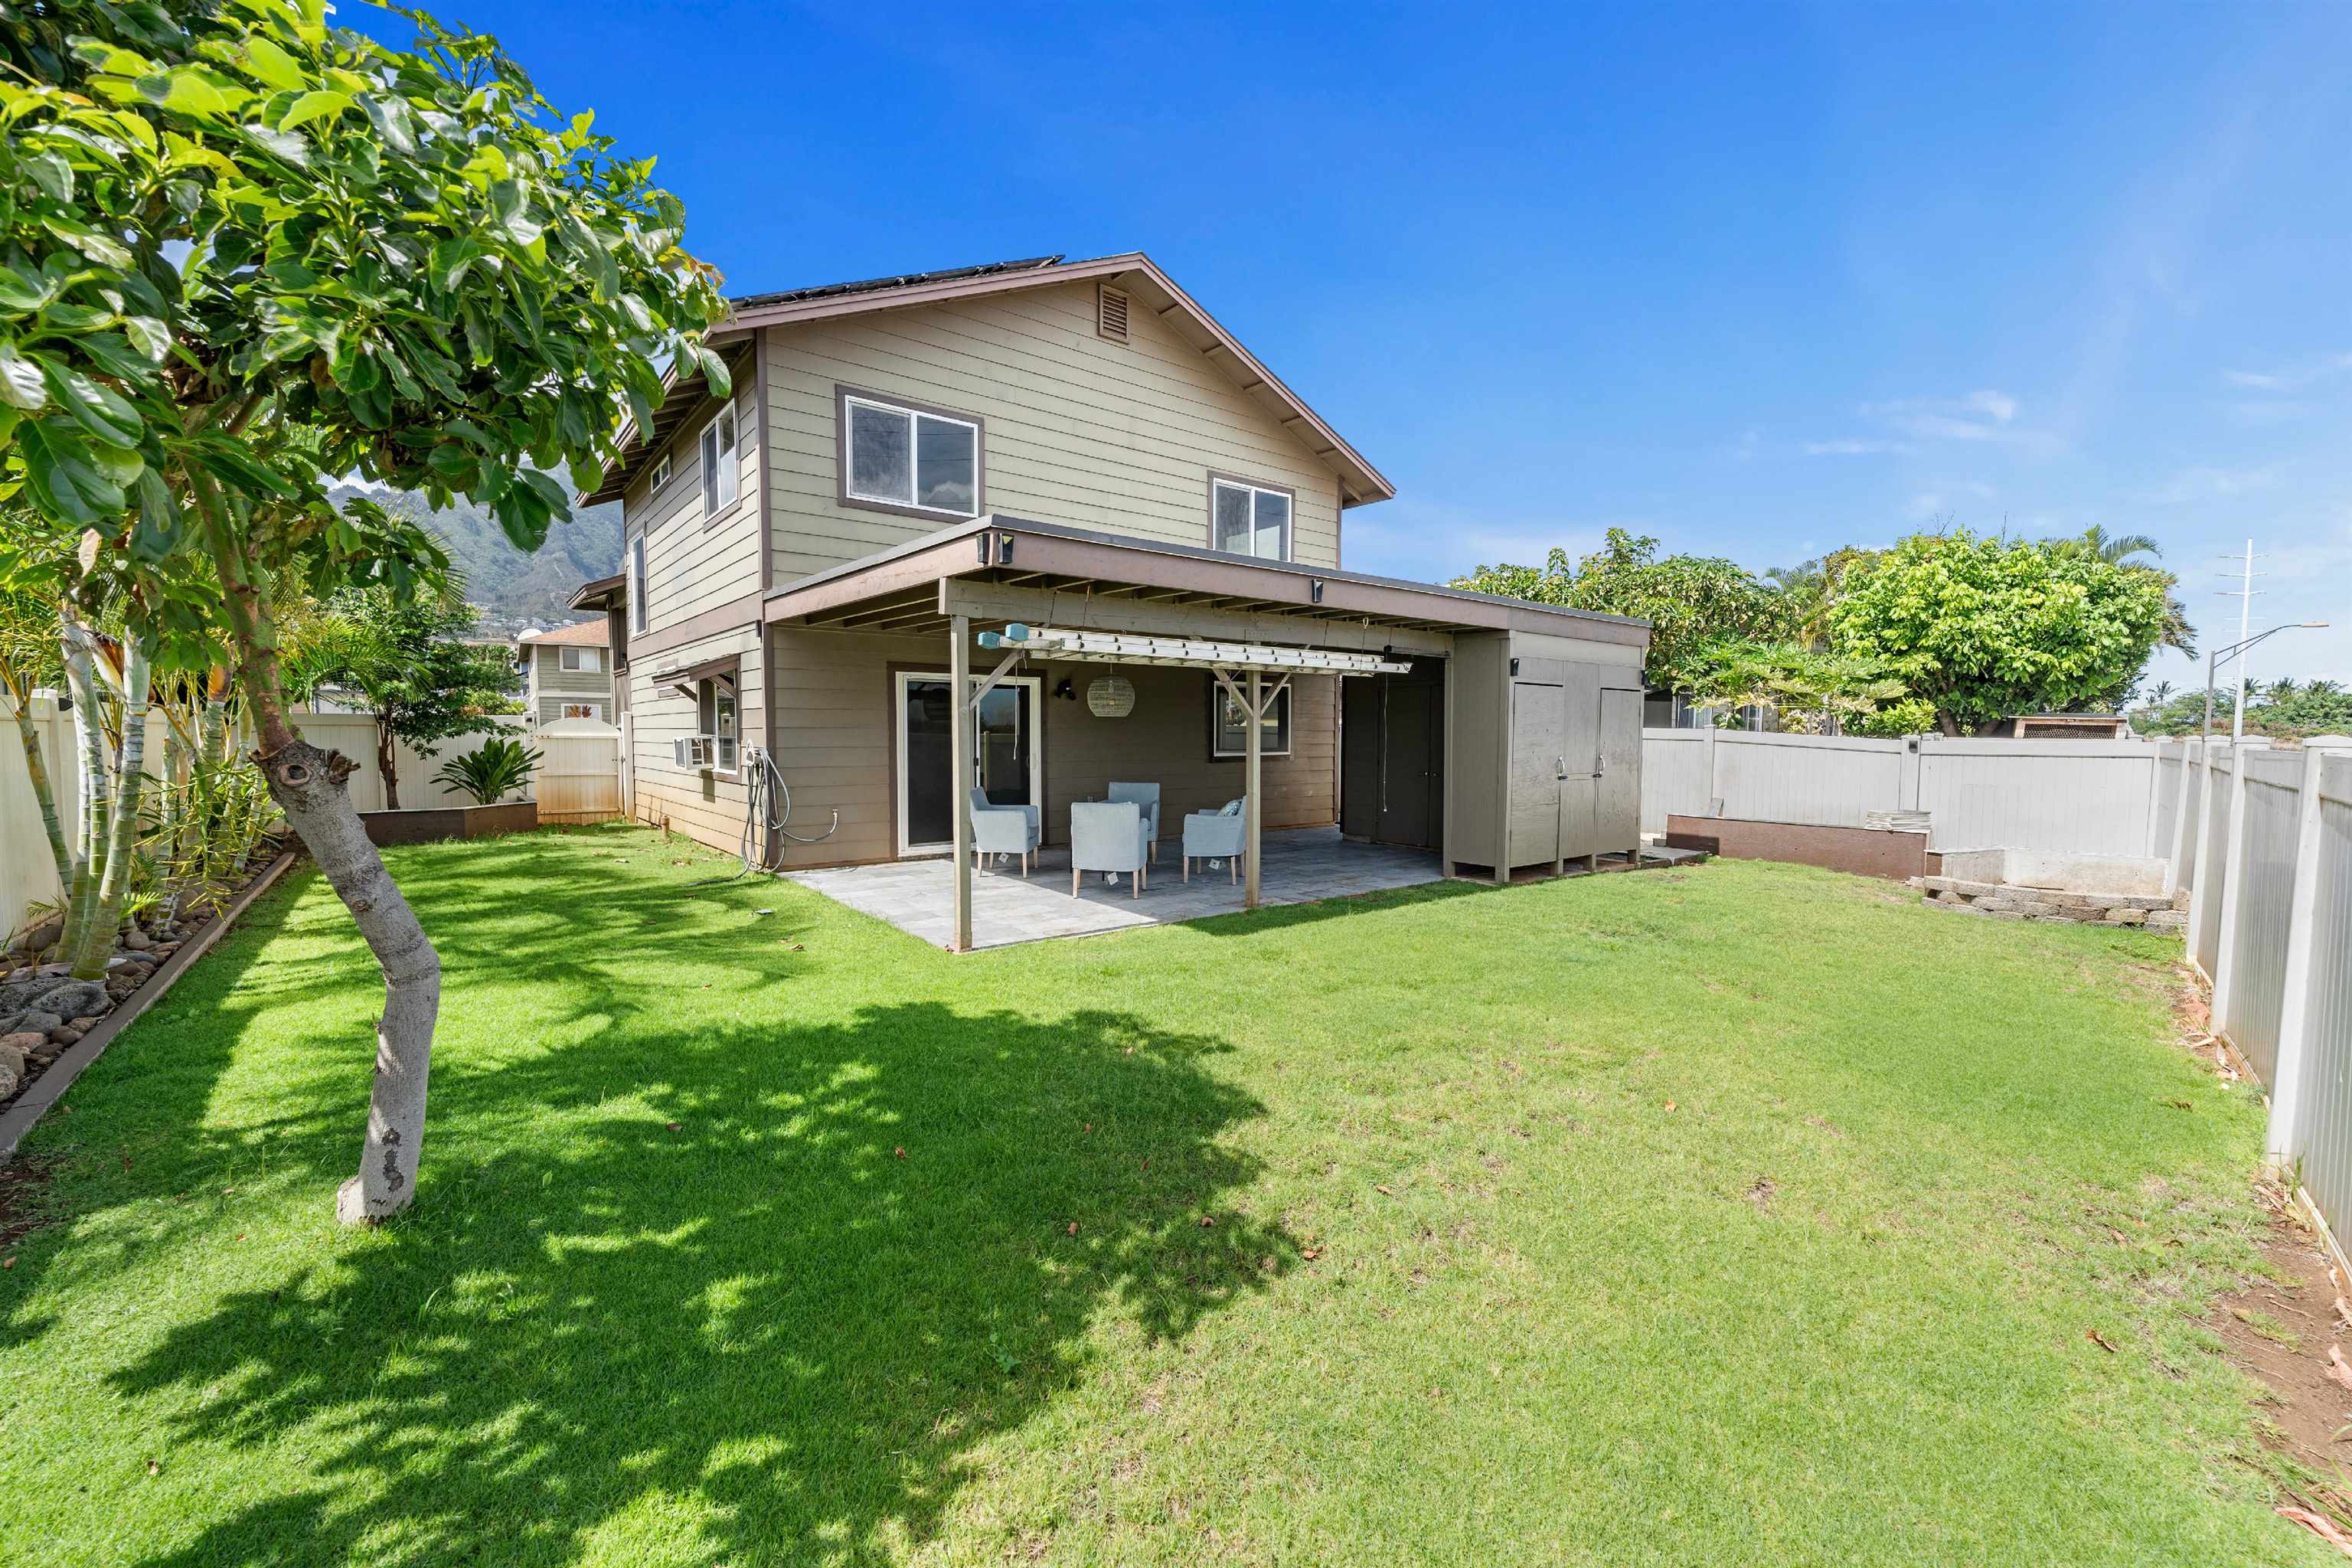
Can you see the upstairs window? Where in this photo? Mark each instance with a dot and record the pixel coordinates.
(583, 660)
(924, 461)
(638, 583)
(661, 472)
(722, 474)
(1249, 519)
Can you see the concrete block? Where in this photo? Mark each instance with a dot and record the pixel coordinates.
(2168, 920)
(1935, 884)
(2126, 915)
(1982, 889)
(2142, 901)
(2000, 914)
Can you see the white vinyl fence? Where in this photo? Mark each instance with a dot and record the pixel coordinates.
(2270, 834)
(578, 781)
(2093, 797)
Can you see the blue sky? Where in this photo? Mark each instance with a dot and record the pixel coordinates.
(1759, 281)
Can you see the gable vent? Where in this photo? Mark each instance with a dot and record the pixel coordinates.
(1110, 312)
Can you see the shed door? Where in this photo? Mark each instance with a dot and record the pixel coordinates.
(1577, 791)
(1412, 759)
(1538, 759)
(1617, 807)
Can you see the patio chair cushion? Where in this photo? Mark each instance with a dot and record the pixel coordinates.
(1002, 829)
(1145, 795)
(1214, 835)
(1108, 836)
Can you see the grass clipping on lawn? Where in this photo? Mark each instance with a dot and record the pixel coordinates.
(1747, 1215)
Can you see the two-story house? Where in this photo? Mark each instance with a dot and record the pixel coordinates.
(904, 464)
(567, 673)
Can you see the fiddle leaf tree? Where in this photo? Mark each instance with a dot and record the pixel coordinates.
(1693, 603)
(244, 252)
(1987, 628)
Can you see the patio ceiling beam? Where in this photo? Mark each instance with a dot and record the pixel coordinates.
(1055, 643)
(998, 602)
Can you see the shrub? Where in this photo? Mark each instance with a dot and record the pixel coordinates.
(496, 770)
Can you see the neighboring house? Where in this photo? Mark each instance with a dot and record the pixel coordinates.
(904, 462)
(567, 673)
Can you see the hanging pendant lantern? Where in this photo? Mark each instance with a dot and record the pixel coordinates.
(1110, 697)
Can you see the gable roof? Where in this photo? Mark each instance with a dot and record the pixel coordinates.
(579, 634)
(1359, 482)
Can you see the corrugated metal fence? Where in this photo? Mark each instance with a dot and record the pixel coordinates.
(2088, 796)
(2271, 926)
(567, 784)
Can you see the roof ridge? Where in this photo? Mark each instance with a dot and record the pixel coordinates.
(896, 280)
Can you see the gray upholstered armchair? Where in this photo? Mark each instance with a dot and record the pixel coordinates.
(1002, 829)
(1108, 836)
(1147, 799)
(1217, 835)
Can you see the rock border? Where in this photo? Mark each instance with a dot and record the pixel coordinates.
(50, 1087)
(2006, 901)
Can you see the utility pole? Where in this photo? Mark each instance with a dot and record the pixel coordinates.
(2245, 597)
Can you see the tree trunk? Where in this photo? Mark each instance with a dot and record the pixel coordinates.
(387, 764)
(1947, 724)
(89, 749)
(310, 787)
(45, 795)
(122, 829)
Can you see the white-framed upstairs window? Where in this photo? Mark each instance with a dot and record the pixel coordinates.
(638, 583)
(661, 472)
(580, 660)
(722, 472)
(899, 456)
(1249, 519)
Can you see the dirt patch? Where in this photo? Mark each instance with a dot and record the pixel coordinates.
(23, 1187)
(2280, 1330)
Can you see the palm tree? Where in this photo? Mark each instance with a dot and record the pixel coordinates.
(2115, 551)
(2159, 694)
(2285, 687)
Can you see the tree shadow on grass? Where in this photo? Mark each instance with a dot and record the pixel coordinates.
(764, 1309)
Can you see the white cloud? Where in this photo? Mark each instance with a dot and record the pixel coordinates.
(2000, 404)
(2205, 483)
(1986, 415)
(2290, 378)
(1855, 446)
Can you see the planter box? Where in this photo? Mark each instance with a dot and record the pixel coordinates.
(1863, 851)
(429, 824)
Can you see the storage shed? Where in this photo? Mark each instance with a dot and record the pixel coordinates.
(1544, 732)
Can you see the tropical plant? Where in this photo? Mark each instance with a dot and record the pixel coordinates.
(1812, 692)
(243, 252)
(404, 659)
(1692, 602)
(492, 771)
(1987, 628)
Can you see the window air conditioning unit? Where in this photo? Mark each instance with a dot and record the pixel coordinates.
(692, 751)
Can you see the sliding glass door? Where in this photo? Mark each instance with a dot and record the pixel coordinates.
(1004, 739)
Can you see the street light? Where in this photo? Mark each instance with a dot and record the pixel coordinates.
(2221, 656)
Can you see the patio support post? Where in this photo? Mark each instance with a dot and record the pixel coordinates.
(1256, 729)
(960, 725)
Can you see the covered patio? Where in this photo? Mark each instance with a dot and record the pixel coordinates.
(1300, 866)
(1034, 667)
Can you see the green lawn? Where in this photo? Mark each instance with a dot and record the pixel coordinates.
(1745, 1215)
